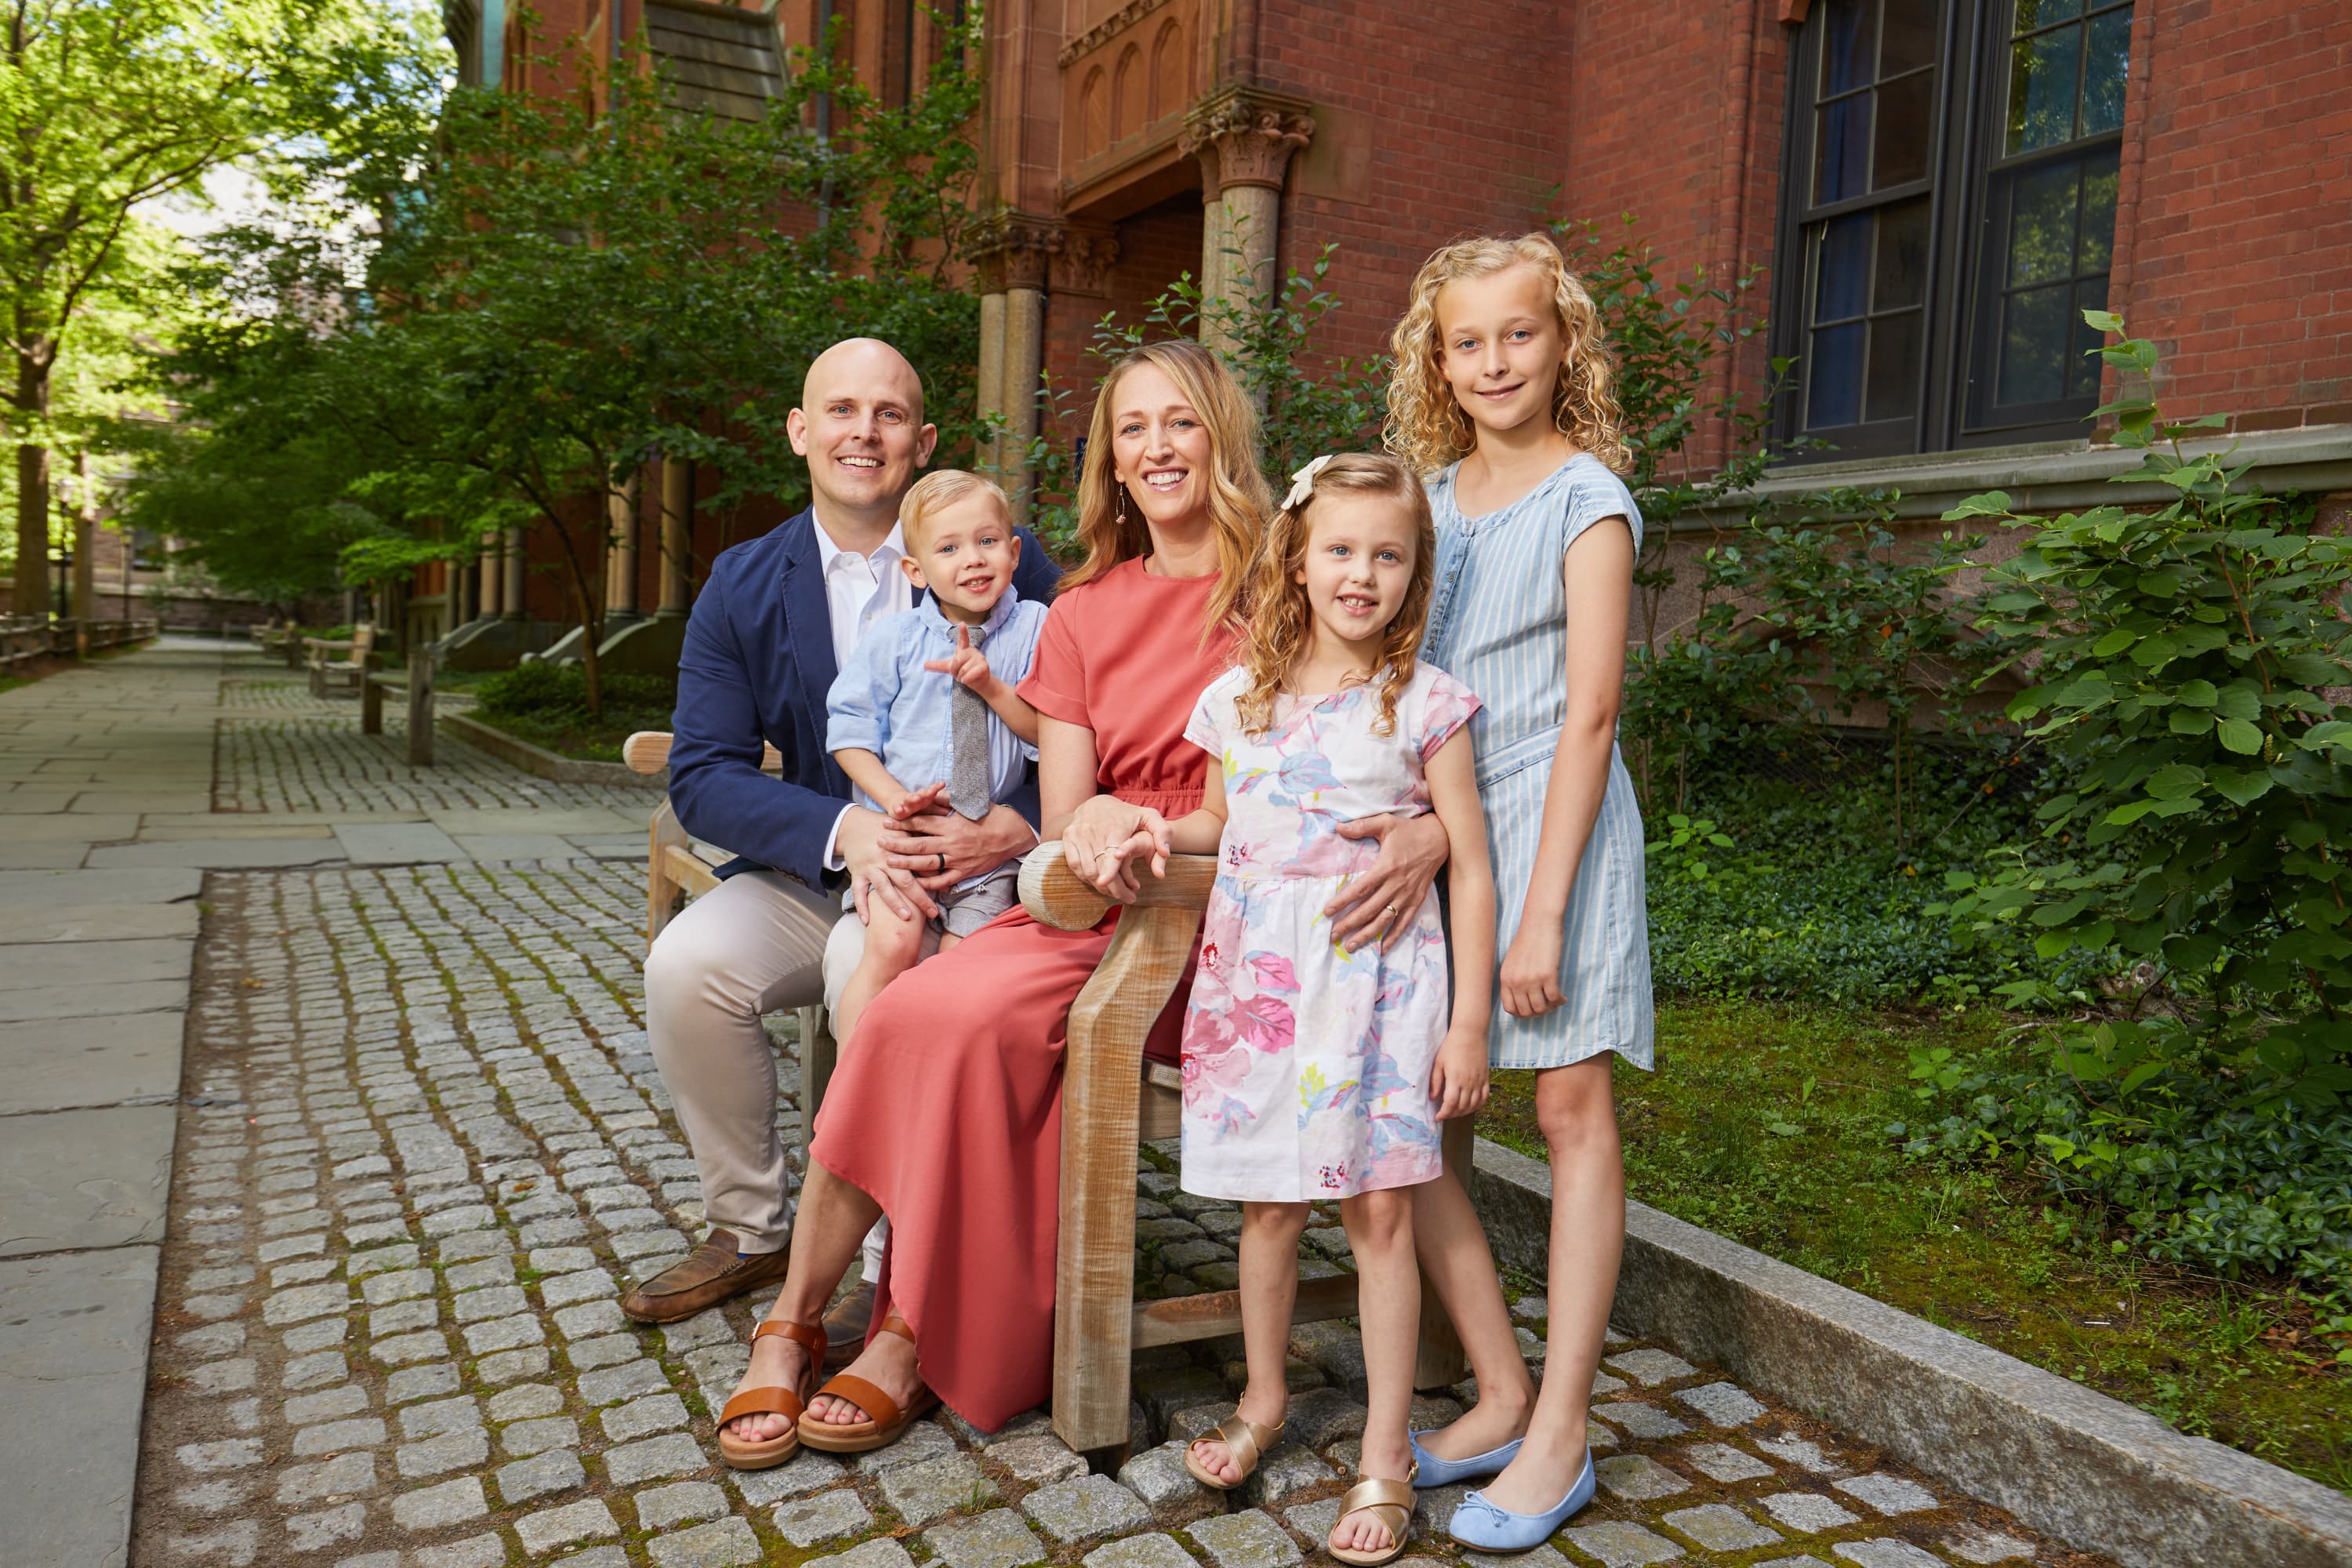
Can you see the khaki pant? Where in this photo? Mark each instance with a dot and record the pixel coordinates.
(761, 942)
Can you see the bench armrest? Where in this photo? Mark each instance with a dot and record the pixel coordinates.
(1054, 896)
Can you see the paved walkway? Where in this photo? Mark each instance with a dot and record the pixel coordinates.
(398, 1093)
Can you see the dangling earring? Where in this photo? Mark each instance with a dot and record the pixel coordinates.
(1118, 513)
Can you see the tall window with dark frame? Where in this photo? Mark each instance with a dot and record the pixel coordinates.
(1949, 204)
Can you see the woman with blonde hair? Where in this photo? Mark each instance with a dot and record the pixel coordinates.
(945, 1112)
(1503, 399)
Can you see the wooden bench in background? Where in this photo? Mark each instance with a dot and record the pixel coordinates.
(416, 684)
(678, 869)
(1112, 1099)
(339, 665)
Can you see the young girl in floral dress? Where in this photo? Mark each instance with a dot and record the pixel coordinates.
(1502, 395)
(1312, 1071)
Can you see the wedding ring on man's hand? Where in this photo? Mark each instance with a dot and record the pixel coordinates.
(943, 863)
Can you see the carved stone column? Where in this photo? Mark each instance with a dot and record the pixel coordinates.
(676, 535)
(510, 580)
(1244, 137)
(1014, 250)
(621, 555)
(491, 600)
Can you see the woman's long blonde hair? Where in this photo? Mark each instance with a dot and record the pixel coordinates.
(1281, 623)
(1428, 427)
(1238, 500)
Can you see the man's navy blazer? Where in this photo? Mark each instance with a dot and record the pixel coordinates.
(757, 665)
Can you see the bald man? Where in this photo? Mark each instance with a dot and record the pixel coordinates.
(769, 632)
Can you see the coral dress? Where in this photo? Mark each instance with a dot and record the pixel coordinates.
(1306, 1067)
(947, 1105)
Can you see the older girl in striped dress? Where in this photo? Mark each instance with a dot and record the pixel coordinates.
(1502, 396)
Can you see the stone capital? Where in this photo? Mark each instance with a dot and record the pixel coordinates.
(1244, 136)
(1082, 259)
(1012, 249)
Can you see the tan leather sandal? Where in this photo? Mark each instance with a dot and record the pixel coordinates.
(885, 1421)
(1246, 1441)
(1393, 1500)
(766, 1454)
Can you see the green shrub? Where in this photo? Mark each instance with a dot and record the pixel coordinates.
(2193, 663)
(553, 698)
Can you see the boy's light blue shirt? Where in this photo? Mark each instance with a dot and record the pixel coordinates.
(885, 702)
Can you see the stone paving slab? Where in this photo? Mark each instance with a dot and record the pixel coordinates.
(396, 844)
(218, 854)
(26, 965)
(96, 922)
(67, 1063)
(73, 1373)
(84, 1178)
(81, 999)
(43, 890)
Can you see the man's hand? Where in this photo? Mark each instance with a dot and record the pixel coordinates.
(871, 875)
(1382, 901)
(940, 847)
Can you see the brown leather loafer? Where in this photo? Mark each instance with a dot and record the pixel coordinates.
(703, 1277)
(846, 1325)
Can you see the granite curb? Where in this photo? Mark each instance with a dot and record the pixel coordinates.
(545, 763)
(2090, 1471)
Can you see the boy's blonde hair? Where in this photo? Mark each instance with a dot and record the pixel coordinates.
(1281, 622)
(940, 488)
(1428, 427)
(1238, 500)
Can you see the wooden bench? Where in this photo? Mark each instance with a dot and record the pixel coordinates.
(1112, 1099)
(338, 666)
(416, 684)
(678, 869)
(261, 633)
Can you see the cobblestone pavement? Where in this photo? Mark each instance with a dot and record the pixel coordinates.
(278, 748)
(422, 1148)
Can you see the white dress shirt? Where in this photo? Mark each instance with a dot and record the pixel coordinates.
(860, 591)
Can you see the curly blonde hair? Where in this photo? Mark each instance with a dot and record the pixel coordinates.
(1282, 623)
(1238, 500)
(1428, 427)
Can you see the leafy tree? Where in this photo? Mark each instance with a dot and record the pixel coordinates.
(563, 289)
(106, 105)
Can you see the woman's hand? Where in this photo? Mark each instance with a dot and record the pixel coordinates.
(1105, 836)
(1531, 970)
(1458, 1082)
(1382, 901)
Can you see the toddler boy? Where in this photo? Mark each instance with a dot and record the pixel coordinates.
(928, 697)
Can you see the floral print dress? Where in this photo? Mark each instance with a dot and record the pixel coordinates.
(1306, 1068)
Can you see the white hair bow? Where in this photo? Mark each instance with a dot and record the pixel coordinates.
(1302, 483)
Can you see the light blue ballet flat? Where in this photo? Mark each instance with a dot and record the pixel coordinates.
(1483, 1526)
(1437, 1472)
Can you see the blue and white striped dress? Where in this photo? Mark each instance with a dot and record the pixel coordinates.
(1497, 623)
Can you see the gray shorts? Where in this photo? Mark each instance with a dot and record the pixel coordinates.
(963, 911)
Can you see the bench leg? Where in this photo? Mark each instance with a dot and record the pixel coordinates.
(819, 1052)
(661, 893)
(1102, 1085)
(370, 707)
(1440, 1362)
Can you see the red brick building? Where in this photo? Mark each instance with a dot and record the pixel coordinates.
(1930, 191)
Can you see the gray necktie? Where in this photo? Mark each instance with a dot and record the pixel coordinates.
(968, 748)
